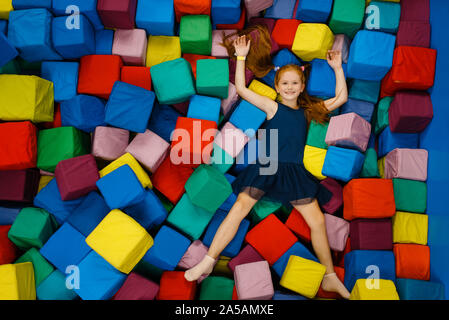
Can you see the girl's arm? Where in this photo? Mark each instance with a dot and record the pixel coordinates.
(341, 91)
(264, 103)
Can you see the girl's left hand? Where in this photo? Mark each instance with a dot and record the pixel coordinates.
(334, 58)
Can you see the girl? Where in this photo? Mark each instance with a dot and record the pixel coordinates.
(291, 184)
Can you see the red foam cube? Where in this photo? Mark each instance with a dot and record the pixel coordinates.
(191, 7)
(137, 76)
(8, 251)
(18, 145)
(332, 295)
(298, 225)
(173, 286)
(284, 32)
(412, 261)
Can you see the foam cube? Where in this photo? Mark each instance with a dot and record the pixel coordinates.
(368, 198)
(42, 268)
(109, 143)
(387, 19)
(217, 49)
(131, 45)
(384, 290)
(412, 261)
(137, 287)
(337, 232)
(29, 31)
(161, 49)
(388, 141)
(262, 89)
(195, 33)
(322, 79)
(192, 59)
(98, 73)
(247, 118)
(179, 74)
(342, 43)
(104, 40)
(255, 7)
(312, 41)
(64, 76)
(212, 77)
(364, 90)
(347, 17)
(163, 121)
(406, 163)
(280, 10)
(371, 234)
(262, 209)
(88, 8)
(314, 159)
(54, 287)
(413, 33)
(231, 139)
(8, 51)
(173, 286)
(249, 75)
(225, 12)
(298, 250)
(27, 4)
(410, 228)
(203, 107)
(137, 76)
(73, 42)
(370, 168)
(157, 18)
(253, 281)
(168, 249)
(415, 10)
(18, 186)
(5, 8)
(43, 181)
(194, 254)
(220, 159)
(280, 59)
(56, 119)
(411, 289)
(4, 26)
(117, 15)
(314, 11)
(336, 200)
(216, 288)
(149, 212)
(17, 282)
(83, 112)
(284, 32)
(342, 164)
(348, 130)
(186, 7)
(20, 139)
(8, 251)
(410, 195)
(247, 255)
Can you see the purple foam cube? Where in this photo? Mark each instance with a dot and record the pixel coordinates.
(249, 75)
(348, 130)
(415, 10)
(76, 176)
(194, 254)
(117, 14)
(337, 232)
(109, 143)
(364, 109)
(137, 287)
(413, 33)
(342, 43)
(337, 195)
(268, 22)
(19, 185)
(231, 100)
(410, 111)
(406, 163)
(131, 45)
(247, 255)
(371, 234)
(253, 281)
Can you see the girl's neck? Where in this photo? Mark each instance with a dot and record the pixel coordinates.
(290, 103)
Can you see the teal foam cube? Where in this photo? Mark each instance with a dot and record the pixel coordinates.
(364, 90)
(220, 159)
(54, 288)
(212, 77)
(388, 14)
(195, 34)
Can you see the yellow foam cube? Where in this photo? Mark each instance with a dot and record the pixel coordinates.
(314, 160)
(263, 89)
(17, 282)
(303, 276)
(26, 98)
(221, 267)
(120, 240)
(410, 228)
(128, 159)
(43, 181)
(162, 48)
(5, 8)
(312, 41)
(381, 166)
(366, 289)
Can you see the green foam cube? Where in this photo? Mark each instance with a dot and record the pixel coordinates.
(54, 288)
(381, 121)
(42, 268)
(173, 81)
(364, 90)
(57, 144)
(31, 228)
(195, 34)
(262, 209)
(212, 77)
(216, 288)
(221, 160)
(317, 134)
(410, 195)
(188, 218)
(208, 188)
(347, 17)
(370, 168)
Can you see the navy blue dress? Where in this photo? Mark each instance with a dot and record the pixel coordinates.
(285, 180)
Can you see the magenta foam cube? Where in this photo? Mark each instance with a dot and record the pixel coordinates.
(149, 149)
(194, 254)
(247, 255)
(117, 14)
(268, 22)
(410, 111)
(76, 176)
(348, 130)
(403, 163)
(231, 139)
(217, 37)
(137, 287)
(336, 200)
(253, 281)
(342, 43)
(371, 234)
(131, 45)
(337, 232)
(413, 34)
(249, 75)
(19, 185)
(254, 7)
(231, 100)
(109, 143)
(415, 10)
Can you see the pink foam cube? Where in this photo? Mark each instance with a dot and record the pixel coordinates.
(414, 34)
(217, 37)
(149, 149)
(194, 254)
(109, 143)
(253, 281)
(406, 163)
(231, 100)
(254, 7)
(231, 139)
(247, 255)
(131, 45)
(337, 232)
(137, 287)
(337, 195)
(348, 130)
(342, 43)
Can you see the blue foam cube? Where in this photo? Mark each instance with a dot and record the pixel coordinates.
(150, 212)
(8, 52)
(64, 76)
(412, 289)
(168, 249)
(4, 26)
(281, 9)
(297, 249)
(54, 288)
(225, 11)
(278, 295)
(389, 141)
(96, 287)
(371, 141)
(49, 199)
(156, 17)
(247, 156)
(86, 217)
(129, 107)
(229, 202)
(233, 248)
(76, 42)
(29, 31)
(370, 55)
(104, 40)
(388, 14)
(366, 264)
(66, 247)
(30, 4)
(362, 108)
(163, 121)
(8, 215)
(281, 59)
(364, 90)
(86, 7)
(322, 79)
(83, 112)
(248, 118)
(316, 11)
(342, 164)
(204, 107)
(121, 188)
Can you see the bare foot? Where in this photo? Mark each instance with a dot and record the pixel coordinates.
(205, 266)
(331, 283)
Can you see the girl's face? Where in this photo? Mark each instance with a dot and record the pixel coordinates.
(290, 85)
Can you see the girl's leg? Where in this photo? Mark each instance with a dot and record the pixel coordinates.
(314, 218)
(225, 233)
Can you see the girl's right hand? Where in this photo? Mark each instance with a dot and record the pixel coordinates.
(241, 46)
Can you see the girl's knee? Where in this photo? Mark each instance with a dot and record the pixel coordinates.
(245, 201)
